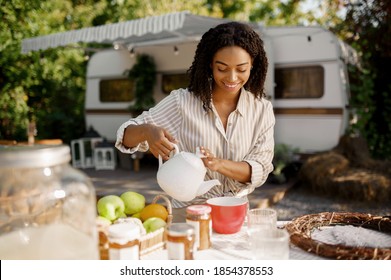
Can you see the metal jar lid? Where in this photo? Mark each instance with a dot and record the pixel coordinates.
(34, 156)
(180, 229)
(126, 231)
(198, 209)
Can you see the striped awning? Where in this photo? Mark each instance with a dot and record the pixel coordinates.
(150, 30)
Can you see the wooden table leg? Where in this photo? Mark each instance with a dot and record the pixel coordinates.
(136, 164)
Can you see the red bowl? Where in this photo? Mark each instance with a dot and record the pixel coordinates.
(228, 213)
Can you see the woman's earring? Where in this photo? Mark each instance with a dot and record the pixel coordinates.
(210, 80)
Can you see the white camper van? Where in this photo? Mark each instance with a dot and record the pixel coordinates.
(307, 83)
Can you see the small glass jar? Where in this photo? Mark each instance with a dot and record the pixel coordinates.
(199, 217)
(47, 207)
(180, 241)
(124, 241)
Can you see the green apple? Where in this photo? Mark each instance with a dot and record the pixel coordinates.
(137, 215)
(111, 207)
(134, 202)
(121, 215)
(153, 223)
(103, 221)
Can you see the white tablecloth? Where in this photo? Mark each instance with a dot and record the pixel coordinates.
(236, 246)
(232, 247)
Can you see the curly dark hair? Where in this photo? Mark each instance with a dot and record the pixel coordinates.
(224, 35)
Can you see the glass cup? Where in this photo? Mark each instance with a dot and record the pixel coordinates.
(263, 219)
(272, 246)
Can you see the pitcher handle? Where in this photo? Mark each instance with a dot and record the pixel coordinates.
(176, 152)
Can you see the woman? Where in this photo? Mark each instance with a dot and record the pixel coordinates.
(223, 111)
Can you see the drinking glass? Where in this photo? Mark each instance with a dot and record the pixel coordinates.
(272, 246)
(263, 219)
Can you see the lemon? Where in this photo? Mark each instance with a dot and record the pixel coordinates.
(154, 210)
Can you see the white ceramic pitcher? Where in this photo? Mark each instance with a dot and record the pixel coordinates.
(182, 176)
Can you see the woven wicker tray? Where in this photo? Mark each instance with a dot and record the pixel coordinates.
(148, 243)
(300, 230)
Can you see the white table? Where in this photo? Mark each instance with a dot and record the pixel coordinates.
(232, 247)
(236, 246)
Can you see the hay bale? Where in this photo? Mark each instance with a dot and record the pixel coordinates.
(362, 185)
(318, 170)
(348, 171)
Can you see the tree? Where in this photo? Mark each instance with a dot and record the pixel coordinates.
(47, 86)
(278, 12)
(368, 28)
(143, 73)
(13, 99)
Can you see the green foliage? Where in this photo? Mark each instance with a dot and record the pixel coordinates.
(57, 101)
(283, 155)
(368, 28)
(143, 73)
(49, 86)
(13, 115)
(277, 12)
(285, 159)
(361, 100)
(46, 86)
(14, 70)
(228, 8)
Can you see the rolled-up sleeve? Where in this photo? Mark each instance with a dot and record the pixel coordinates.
(142, 147)
(164, 114)
(261, 155)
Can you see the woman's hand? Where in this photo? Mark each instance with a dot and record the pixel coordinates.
(237, 170)
(210, 161)
(160, 141)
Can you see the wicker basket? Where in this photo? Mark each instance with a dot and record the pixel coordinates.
(148, 243)
(156, 240)
(300, 230)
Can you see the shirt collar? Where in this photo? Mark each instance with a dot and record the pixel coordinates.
(243, 102)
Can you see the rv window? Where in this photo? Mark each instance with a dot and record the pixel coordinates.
(174, 81)
(299, 82)
(116, 90)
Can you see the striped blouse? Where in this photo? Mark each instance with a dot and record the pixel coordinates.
(248, 137)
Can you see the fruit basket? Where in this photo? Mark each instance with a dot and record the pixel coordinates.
(156, 240)
(148, 242)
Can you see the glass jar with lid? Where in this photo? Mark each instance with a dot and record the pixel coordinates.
(180, 241)
(199, 217)
(47, 208)
(124, 241)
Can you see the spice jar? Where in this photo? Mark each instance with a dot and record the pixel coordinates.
(124, 241)
(199, 217)
(180, 241)
(47, 208)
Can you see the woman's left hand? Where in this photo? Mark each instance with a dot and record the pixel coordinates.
(210, 161)
(237, 170)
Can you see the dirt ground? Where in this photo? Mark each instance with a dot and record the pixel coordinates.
(300, 201)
